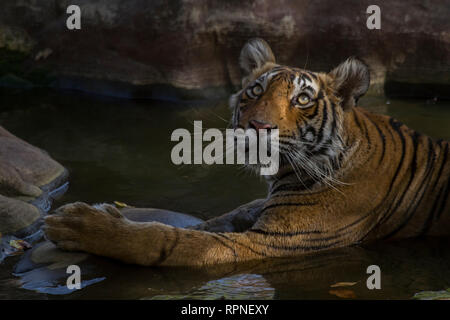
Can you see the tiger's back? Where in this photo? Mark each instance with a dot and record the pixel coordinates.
(416, 183)
(395, 185)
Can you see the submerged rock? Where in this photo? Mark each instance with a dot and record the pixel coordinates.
(46, 253)
(43, 268)
(176, 219)
(433, 295)
(16, 215)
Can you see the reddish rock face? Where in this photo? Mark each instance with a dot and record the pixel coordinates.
(138, 48)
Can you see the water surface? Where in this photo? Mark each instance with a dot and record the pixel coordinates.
(119, 150)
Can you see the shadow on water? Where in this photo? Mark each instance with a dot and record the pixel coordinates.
(120, 150)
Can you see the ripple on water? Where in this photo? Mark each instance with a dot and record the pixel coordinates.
(238, 287)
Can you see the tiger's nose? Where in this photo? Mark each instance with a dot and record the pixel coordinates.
(258, 125)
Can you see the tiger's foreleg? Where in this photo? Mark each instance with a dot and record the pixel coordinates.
(104, 231)
(238, 220)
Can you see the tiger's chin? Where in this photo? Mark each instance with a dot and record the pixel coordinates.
(260, 153)
(297, 166)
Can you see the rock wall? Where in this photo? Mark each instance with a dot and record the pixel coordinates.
(189, 48)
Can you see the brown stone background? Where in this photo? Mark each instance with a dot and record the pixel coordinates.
(189, 48)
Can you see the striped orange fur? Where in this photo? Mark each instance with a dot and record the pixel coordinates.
(347, 176)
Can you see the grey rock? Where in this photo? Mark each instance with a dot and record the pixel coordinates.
(175, 219)
(16, 215)
(27, 177)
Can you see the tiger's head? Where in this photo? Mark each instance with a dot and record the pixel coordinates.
(306, 107)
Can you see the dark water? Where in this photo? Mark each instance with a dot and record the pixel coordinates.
(119, 150)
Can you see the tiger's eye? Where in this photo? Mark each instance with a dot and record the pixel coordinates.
(257, 90)
(303, 99)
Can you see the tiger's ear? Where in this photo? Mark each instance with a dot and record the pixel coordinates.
(255, 55)
(351, 80)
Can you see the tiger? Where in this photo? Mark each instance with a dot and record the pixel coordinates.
(346, 177)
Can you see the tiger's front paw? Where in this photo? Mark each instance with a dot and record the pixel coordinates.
(80, 227)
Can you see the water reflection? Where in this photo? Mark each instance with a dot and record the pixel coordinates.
(407, 267)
